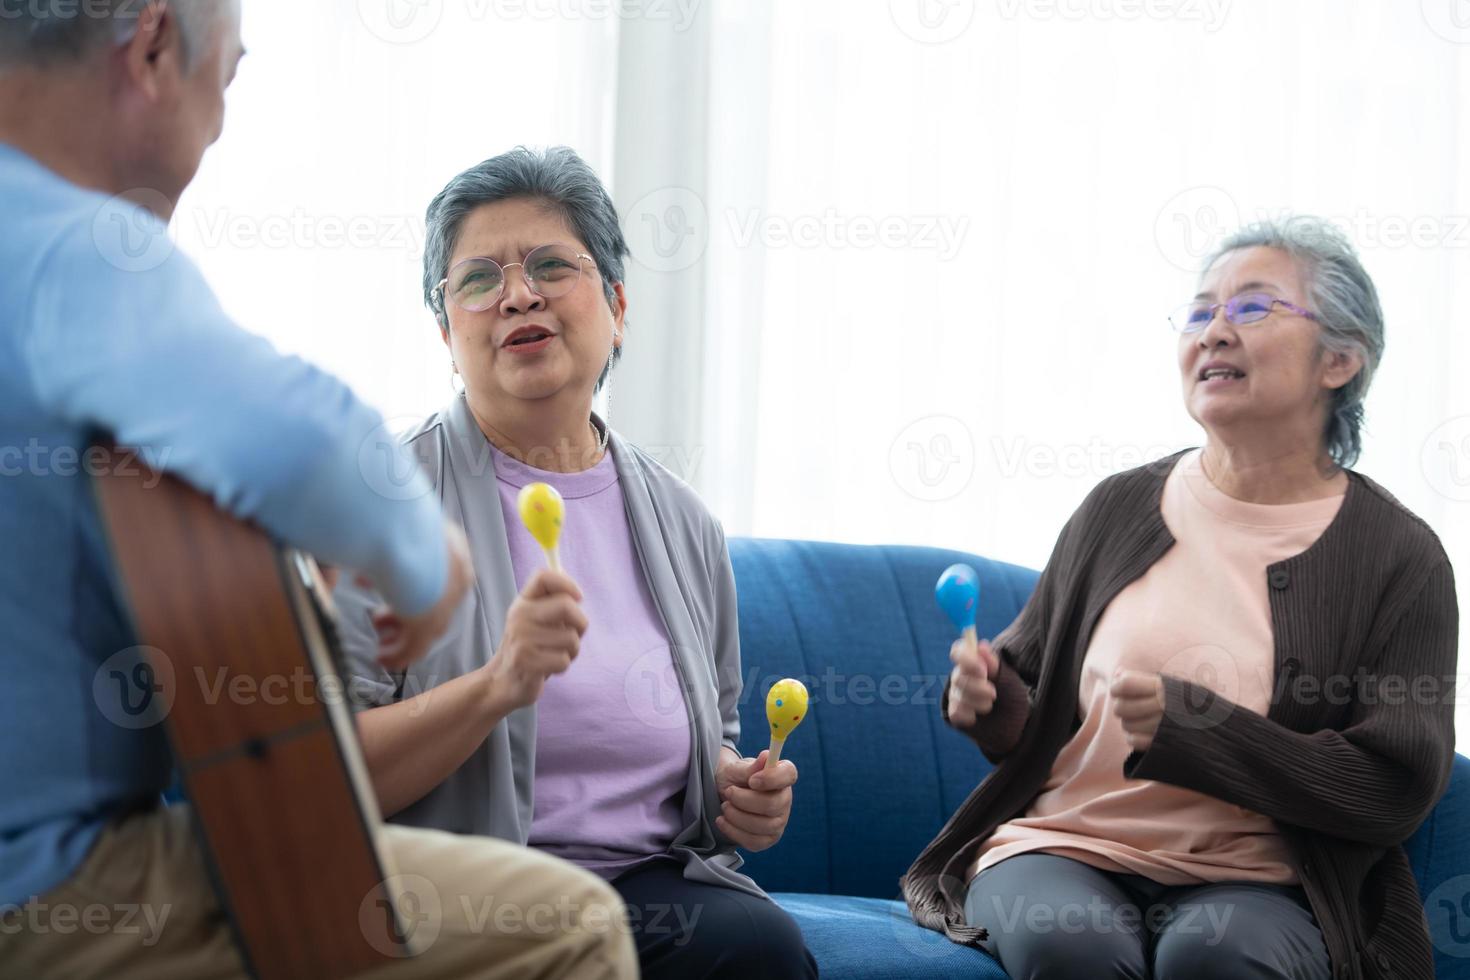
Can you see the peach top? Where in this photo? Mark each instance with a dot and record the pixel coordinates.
(1201, 613)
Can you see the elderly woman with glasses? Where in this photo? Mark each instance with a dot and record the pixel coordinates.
(1223, 710)
(588, 712)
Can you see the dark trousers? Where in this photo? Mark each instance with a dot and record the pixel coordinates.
(687, 930)
(1053, 917)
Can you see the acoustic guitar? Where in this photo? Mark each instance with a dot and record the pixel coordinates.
(242, 649)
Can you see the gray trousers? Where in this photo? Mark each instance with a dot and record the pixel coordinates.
(1054, 918)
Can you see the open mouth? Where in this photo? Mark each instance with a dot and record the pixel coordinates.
(529, 340)
(1220, 376)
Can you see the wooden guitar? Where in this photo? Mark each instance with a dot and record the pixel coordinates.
(271, 765)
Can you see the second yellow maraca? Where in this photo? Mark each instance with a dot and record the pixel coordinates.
(785, 708)
(542, 511)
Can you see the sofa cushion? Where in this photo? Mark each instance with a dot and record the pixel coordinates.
(1440, 854)
(874, 939)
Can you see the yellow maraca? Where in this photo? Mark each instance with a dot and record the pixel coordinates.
(785, 708)
(541, 510)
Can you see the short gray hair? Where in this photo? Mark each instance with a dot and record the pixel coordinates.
(1342, 295)
(558, 178)
(41, 33)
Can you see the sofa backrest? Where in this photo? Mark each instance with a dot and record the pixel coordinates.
(879, 770)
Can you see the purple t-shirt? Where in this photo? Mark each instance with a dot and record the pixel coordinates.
(612, 733)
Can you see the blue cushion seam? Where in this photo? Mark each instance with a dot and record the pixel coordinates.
(919, 664)
(821, 743)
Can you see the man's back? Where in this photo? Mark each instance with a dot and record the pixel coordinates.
(59, 613)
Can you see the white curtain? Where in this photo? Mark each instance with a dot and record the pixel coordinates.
(901, 266)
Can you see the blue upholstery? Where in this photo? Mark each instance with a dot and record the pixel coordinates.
(880, 772)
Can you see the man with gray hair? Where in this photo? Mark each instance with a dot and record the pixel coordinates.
(106, 108)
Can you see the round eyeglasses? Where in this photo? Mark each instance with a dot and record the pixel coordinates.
(475, 284)
(1239, 310)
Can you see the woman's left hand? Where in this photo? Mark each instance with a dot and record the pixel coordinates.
(1138, 701)
(755, 801)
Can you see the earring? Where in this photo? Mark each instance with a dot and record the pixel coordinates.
(607, 392)
(454, 373)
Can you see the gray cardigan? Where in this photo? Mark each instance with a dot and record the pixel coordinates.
(681, 548)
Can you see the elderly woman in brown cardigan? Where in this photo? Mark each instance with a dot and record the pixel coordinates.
(1224, 708)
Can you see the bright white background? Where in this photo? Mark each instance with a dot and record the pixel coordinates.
(901, 268)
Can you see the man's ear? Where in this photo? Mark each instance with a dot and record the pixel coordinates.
(155, 51)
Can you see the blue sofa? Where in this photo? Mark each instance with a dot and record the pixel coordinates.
(880, 772)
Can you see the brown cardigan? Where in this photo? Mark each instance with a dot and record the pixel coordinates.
(1353, 754)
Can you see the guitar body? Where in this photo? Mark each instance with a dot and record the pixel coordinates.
(242, 647)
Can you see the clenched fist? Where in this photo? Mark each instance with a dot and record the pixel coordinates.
(543, 635)
(972, 681)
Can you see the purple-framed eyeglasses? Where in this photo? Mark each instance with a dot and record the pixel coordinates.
(1239, 310)
(475, 283)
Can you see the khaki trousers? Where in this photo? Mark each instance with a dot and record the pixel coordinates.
(142, 905)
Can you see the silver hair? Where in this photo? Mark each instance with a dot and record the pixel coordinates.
(558, 178)
(1342, 295)
(41, 33)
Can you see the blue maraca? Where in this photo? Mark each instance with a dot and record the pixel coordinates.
(958, 592)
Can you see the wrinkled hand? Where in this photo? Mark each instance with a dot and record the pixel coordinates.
(755, 801)
(972, 682)
(1138, 701)
(543, 635)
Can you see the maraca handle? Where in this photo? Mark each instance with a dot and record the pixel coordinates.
(972, 640)
(775, 755)
(553, 558)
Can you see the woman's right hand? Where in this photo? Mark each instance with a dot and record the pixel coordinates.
(971, 682)
(543, 633)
